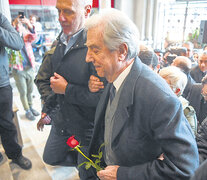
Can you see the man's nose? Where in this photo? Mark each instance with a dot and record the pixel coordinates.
(89, 58)
(61, 17)
(203, 64)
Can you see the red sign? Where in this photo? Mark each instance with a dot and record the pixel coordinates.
(48, 2)
(95, 3)
(33, 2)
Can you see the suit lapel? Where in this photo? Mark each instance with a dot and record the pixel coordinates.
(125, 103)
(98, 134)
(101, 108)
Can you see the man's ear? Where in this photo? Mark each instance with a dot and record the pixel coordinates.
(87, 11)
(123, 51)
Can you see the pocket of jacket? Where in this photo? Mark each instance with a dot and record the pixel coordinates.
(3, 72)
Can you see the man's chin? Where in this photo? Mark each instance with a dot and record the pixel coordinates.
(100, 74)
(203, 70)
(67, 32)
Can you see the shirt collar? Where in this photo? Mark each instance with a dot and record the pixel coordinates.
(71, 41)
(120, 79)
(74, 37)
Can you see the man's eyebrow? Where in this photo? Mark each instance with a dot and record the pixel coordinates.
(92, 46)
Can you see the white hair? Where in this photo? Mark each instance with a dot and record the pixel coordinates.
(175, 76)
(116, 29)
(87, 2)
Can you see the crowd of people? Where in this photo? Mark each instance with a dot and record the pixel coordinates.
(97, 83)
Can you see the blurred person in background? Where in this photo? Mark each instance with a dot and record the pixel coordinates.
(205, 48)
(184, 64)
(159, 53)
(23, 72)
(150, 59)
(189, 46)
(201, 140)
(177, 81)
(198, 99)
(199, 71)
(38, 44)
(195, 56)
(33, 20)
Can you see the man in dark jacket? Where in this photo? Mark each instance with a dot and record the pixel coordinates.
(201, 140)
(198, 98)
(75, 105)
(185, 65)
(198, 72)
(11, 39)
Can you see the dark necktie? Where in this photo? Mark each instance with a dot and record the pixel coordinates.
(112, 93)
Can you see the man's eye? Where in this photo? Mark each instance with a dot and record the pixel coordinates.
(68, 12)
(96, 51)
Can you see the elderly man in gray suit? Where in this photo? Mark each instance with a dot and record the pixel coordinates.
(138, 116)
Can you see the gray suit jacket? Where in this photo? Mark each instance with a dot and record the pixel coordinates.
(149, 120)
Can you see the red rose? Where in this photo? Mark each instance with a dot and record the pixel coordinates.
(72, 142)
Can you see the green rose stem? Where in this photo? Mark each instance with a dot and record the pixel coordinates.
(74, 144)
(97, 167)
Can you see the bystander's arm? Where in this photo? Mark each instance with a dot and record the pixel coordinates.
(80, 95)
(9, 37)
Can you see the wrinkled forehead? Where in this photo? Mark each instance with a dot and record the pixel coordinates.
(94, 36)
(203, 57)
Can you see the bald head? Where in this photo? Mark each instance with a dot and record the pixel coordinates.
(202, 61)
(183, 63)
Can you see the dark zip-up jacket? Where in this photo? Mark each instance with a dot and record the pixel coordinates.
(76, 109)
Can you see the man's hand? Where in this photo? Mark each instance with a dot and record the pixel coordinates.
(94, 84)
(58, 84)
(45, 119)
(109, 173)
(161, 157)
